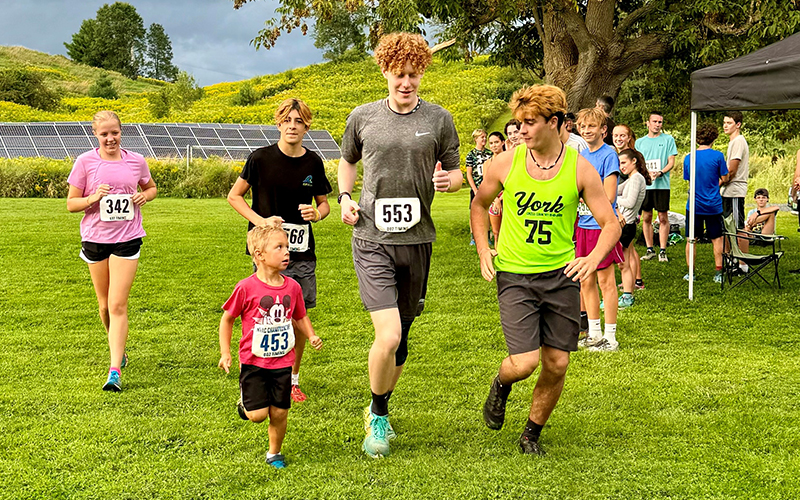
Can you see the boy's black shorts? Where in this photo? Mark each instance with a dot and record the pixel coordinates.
(263, 387)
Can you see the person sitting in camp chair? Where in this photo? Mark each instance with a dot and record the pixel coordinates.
(760, 220)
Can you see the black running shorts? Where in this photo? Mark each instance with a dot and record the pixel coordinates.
(263, 387)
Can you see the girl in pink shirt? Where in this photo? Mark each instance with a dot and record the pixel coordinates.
(110, 185)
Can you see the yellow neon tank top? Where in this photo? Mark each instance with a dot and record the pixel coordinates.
(538, 217)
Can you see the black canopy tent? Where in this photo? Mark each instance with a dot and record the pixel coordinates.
(768, 78)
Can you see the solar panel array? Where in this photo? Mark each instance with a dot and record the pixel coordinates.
(154, 140)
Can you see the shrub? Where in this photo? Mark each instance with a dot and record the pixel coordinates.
(247, 95)
(158, 103)
(103, 88)
(27, 87)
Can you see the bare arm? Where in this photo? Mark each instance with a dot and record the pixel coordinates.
(236, 200)
(610, 187)
(471, 181)
(225, 334)
(670, 164)
(733, 167)
(311, 214)
(76, 202)
(591, 190)
(148, 193)
(797, 171)
(347, 180)
(492, 184)
(303, 326)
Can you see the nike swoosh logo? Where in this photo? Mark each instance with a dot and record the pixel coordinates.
(420, 134)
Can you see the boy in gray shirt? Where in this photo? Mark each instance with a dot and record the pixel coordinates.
(409, 149)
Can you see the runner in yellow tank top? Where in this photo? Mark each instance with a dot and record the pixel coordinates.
(537, 276)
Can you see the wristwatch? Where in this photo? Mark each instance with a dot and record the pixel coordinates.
(758, 212)
(339, 199)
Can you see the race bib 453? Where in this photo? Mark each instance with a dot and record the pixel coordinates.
(272, 341)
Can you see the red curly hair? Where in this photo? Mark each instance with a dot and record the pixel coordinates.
(396, 49)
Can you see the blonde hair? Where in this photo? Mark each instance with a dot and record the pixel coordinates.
(258, 237)
(396, 49)
(289, 105)
(591, 115)
(538, 100)
(477, 133)
(104, 116)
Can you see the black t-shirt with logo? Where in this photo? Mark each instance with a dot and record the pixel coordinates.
(280, 183)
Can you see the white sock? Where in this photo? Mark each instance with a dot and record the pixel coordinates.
(270, 455)
(611, 333)
(295, 379)
(594, 329)
(744, 267)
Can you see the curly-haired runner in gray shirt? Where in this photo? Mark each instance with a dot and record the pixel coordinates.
(409, 149)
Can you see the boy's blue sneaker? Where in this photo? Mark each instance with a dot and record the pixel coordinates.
(625, 302)
(113, 383)
(718, 277)
(390, 433)
(278, 461)
(376, 444)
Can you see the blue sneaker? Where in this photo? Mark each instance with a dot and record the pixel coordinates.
(718, 277)
(390, 433)
(278, 461)
(625, 302)
(602, 304)
(113, 384)
(376, 444)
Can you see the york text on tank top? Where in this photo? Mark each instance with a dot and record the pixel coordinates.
(539, 217)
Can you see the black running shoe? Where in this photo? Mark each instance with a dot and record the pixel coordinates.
(240, 410)
(530, 447)
(494, 410)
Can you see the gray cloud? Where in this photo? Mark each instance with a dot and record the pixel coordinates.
(209, 38)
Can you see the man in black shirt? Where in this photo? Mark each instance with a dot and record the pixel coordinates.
(285, 178)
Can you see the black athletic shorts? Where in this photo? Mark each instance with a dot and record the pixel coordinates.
(734, 206)
(628, 235)
(656, 199)
(539, 309)
(713, 224)
(392, 276)
(263, 387)
(92, 253)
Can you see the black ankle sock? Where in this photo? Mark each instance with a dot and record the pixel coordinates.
(584, 321)
(388, 395)
(532, 430)
(505, 389)
(650, 249)
(380, 404)
(639, 282)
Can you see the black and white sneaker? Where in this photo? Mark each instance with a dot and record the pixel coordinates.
(494, 410)
(530, 447)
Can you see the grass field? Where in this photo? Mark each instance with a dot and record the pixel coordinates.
(702, 400)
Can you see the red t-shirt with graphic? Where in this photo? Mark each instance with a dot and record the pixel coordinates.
(267, 313)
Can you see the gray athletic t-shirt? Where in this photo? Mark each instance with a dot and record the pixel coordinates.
(400, 152)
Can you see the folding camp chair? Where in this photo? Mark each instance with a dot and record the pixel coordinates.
(756, 263)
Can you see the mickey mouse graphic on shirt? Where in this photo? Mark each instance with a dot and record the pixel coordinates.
(273, 333)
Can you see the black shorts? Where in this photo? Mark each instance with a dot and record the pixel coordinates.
(92, 253)
(713, 225)
(656, 199)
(734, 206)
(628, 235)
(263, 387)
(539, 309)
(392, 276)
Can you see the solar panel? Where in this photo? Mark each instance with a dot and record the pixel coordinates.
(159, 140)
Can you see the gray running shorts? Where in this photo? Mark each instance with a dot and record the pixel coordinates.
(392, 276)
(541, 308)
(304, 273)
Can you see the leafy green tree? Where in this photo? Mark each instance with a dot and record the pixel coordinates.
(158, 103)
(103, 87)
(342, 33)
(27, 88)
(184, 91)
(587, 47)
(158, 56)
(114, 40)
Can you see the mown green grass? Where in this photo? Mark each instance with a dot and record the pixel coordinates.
(700, 402)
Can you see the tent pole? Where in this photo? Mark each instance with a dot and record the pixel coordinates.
(692, 186)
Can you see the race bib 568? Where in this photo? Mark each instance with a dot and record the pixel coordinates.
(298, 236)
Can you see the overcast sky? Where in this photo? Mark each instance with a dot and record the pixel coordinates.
(209, 38)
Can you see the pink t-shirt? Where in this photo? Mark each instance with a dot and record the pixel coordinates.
(267, 313)
(123, 176)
